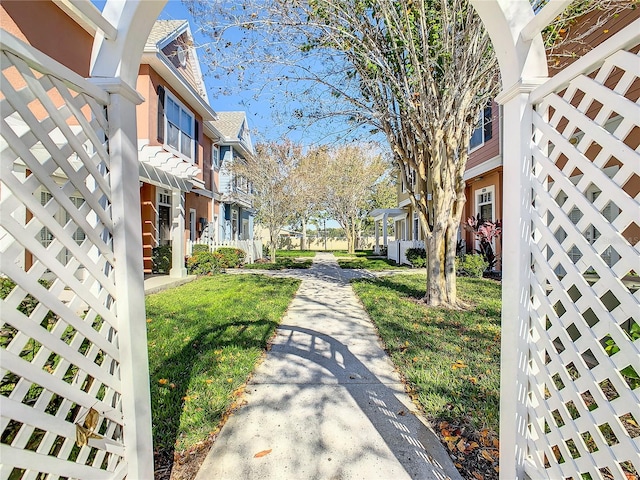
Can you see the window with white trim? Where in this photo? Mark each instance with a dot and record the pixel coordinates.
(180, 127)
(484, 203)
(484, 131)
(215, 156)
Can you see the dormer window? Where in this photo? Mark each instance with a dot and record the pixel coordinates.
(180, 127)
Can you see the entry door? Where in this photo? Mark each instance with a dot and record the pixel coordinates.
(164, 225)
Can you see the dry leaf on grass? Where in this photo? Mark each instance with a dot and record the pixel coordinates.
(262, 453)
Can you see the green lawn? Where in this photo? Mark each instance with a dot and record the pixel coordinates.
(295, 253)
(368, 263)
(205, 338)
(450, 359)
(358, 253)
(281, 263)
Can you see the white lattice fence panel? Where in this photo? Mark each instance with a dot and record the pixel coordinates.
(59, 331)
(584, 388)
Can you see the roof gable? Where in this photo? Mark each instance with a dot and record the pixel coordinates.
(234, 128)
(173, 40)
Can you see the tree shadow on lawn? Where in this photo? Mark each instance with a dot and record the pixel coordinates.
(171, 380)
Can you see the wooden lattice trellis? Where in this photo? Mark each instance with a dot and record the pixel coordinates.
(584, 350)
(59, 328)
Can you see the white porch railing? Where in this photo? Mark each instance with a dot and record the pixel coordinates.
(75, 397)
(397, 250)
(253, 248)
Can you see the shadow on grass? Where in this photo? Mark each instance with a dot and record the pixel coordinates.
(168, 399)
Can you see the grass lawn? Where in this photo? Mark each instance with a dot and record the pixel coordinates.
(358, 253)
(281, 263)
(450, 359)
(367, 263)
(205, 338)
(295, 253)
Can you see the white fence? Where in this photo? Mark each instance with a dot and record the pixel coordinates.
(397, 250)
(253, 248)
(582, 354)
(66, 344)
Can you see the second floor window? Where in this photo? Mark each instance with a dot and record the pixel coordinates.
(180, 128)
(484, 131)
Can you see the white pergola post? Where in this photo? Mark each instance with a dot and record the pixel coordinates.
(385, 221)
(129, 279)
(376, 250)
(523, 66)
(178, 269)
(117, 59)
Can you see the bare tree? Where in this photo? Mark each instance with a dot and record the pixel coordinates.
(269, 173)
(346, 183)
(418, 71)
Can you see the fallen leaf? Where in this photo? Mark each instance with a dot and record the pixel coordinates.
(229, 380)
(209, 381)
(163, 381)
(262, 453)
(473, 445)
(148, 320)
(457, 465)
(443, 425)
(473, 380)
(445, 433)
(172, 385)
(462, 446)
(486, 456)
(478, 476)
(496, 443)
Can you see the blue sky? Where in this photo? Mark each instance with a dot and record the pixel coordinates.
(263, 125)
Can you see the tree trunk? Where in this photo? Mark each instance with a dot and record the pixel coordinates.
(273, 246)
(303, 240)
(441, 271)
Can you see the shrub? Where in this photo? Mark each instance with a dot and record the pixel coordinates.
(161, 258)
(417, 257)
(199, 248)
(204, 263)
(471, 265)
(231, 257)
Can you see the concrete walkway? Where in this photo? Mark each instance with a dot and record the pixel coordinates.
(326, 403)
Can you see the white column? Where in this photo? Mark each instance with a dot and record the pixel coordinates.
(516, 278)
(376, 250)
(385, 221)
(178, 269)
(129, 278)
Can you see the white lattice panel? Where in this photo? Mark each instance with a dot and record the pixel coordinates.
(584, 388)
(59, 330)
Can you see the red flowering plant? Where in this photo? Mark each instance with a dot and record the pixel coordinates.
(485, 231)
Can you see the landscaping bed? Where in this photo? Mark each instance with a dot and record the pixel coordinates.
(205, 338)
(449, 359)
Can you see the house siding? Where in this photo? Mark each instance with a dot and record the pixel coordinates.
(40, 25)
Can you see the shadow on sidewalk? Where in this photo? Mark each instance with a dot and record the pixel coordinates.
(413, 443)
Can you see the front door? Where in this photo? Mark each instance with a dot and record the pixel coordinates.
(164, 225)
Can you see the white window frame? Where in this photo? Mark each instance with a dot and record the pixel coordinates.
(215, 157)
(491, 189)
(164, 200)
(191, 158)
(482, 124)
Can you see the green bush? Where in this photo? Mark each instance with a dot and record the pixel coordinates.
(161, 258)
(417, 257)
(231, 257)
(199, 248)
(204, 263)
(471, 265)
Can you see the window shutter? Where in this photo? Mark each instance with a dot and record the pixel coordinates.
(160, 91)
(196, 136)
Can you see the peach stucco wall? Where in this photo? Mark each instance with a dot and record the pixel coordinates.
(44, 26)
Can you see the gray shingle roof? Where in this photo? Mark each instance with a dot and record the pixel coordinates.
(229, 123)
(161, 30)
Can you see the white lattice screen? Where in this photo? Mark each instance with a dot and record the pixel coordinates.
(59, 329)
(584, 387)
